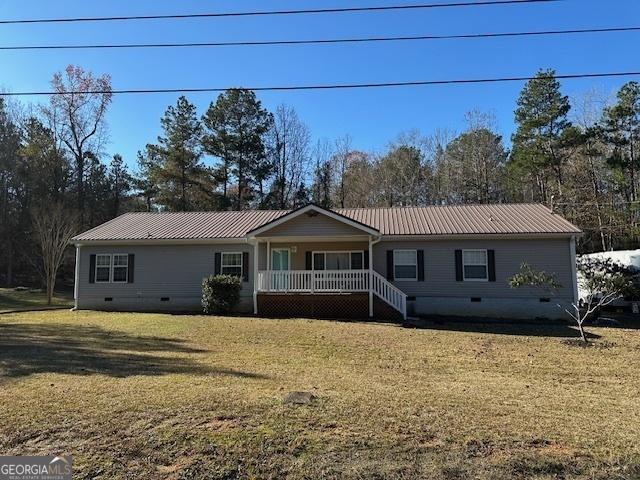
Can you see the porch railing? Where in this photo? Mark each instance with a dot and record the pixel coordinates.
(313, 281)
(336, 281)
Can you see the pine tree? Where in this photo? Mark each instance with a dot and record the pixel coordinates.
(323, 184)
(235, 132)
(120, 182)
(544, 134)
(144, 181)
(183, 182)
(622, 131)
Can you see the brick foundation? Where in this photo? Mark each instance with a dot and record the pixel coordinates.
(352, 306)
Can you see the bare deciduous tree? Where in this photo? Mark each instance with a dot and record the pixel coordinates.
(53, 227)
(76, 113)
(601, 281)
(340, 161)
(322, 184)
(289, 139)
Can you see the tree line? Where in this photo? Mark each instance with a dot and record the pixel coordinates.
(581, 159)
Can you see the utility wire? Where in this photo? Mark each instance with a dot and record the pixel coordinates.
(324, 87)
(274, 12)
(321, 41)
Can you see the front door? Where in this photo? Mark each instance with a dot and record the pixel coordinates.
(280, 266)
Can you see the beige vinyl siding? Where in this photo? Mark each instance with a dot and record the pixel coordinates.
(551, 255)
(319, 225)
(174, 271)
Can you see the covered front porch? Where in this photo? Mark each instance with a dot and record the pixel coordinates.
(313, 267)
(311, 253)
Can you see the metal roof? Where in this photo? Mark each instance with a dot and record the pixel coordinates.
(463, 220)
(180, 225)
(504, 219)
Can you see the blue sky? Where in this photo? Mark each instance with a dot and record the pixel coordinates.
(371, 117)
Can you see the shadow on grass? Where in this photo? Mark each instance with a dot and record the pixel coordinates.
(483, 325)
(27, 349)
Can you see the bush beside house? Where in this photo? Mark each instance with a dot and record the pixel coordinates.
(220, 294)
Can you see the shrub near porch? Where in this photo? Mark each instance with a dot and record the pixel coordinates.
(161, 396)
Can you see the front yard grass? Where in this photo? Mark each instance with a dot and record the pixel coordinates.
(12, 299)
(162, 396)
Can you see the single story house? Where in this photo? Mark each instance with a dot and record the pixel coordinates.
(344, 263)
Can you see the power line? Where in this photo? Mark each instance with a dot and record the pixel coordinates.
(325, 87)
(321, 41)
(275, 12)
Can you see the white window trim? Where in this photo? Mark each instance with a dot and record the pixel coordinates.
(113, 265)
(324, 252)
(222, 265)
(396, 279)
(486, 265)
(95, 273)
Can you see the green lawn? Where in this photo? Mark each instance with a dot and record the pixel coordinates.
(12, 300)
(161, 396)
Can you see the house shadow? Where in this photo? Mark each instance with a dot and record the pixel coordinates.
(28, 349)
(541, 328)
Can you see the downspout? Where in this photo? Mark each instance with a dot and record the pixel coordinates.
(76, 280)
(371, 244)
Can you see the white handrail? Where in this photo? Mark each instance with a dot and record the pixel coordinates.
(389, 293)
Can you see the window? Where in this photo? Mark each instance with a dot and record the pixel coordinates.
(231, 264)
(357, 260)
(103, 268)
(318, 261)
(338, 260)
(405, 264)
(474, 265)
(120, 267)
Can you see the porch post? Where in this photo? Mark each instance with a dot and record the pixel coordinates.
(268, 254)
(370, 278)
(256, 253)
(269, 275)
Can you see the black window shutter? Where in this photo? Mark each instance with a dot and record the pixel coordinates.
(92, 268)
(365, 260)
(217, 263)
(491, 260)
(131, 267)
(459, 276)
(390, 274)
(307, 261)
(420, 265)
(245, 266)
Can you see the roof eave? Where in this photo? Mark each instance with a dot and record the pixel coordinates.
(312, 206)
(492, 236)
(157, 241)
